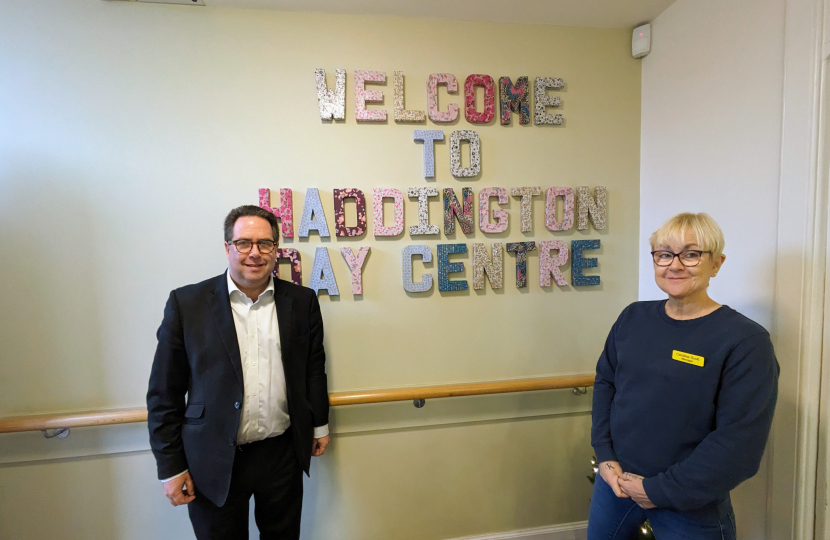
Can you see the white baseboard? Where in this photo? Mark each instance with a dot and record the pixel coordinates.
(566, 531)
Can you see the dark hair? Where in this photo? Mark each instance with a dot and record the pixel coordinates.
(251, 210)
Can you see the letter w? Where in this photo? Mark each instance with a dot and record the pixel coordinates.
(332, 102)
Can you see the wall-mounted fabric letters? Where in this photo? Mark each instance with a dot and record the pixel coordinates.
(453, 208)
(579, 261)
(445, 267)
(470, 112)
(493, 265)
(527, 194)
(549, 266)
(361, 96)
(322, 276)
(567, 222)
(544, 100)
(401, 114)
(521, 249)
(293, 257)
(436, 79)
(284, 212)
(500, 215)
(514, 98)
(313, 219)
(378, 194)
(406, 265)
(429, 136)
(423, 226)
(332, 103)
(586, 205)
(340, 196)
(455, 153)
(355, 263)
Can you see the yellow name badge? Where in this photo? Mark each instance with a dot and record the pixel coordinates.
(687, 358)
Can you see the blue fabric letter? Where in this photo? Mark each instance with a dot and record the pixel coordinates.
(322, 276)
(313, 216)
(445, 267)
(429, 136)
(579, 262)
(406, 265)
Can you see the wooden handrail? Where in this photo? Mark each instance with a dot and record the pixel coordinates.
(457, 390)
(40, 422)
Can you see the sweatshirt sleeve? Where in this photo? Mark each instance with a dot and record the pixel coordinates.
(732, 452)
(604, 390)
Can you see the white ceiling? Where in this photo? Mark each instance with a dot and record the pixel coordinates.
(592, 13)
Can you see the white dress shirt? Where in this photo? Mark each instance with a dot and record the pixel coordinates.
(265, 401)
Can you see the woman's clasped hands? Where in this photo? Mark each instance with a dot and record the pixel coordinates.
(625, 484)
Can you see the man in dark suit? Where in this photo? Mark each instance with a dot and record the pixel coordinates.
(237, 402)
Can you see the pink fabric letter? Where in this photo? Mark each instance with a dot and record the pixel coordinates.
(567, 212)
(285, 212)
(549, 266)
(436, 79)
(378, 194)
(484, 222)
(470, 112)
(361, 95)
(355, 263)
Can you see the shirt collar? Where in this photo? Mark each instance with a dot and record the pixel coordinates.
(232, 286)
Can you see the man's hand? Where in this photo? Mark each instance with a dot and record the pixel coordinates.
(612, 473)
(180, 489)
(318, 447)
(632, 485)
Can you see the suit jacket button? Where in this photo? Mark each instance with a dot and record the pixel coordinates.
(232, 442)
(237, 405)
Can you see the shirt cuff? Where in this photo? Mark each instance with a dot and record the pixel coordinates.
(172, 477)
(321, 431)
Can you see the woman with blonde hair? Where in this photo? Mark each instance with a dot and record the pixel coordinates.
(683, 399)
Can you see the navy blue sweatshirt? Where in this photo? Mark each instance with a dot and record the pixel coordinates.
(686, 404)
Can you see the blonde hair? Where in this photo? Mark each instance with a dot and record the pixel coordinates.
(708, 234)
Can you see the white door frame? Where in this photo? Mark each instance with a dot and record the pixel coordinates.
(798, 326)
(822, 515)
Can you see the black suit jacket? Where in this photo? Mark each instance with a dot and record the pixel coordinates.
(195, 393)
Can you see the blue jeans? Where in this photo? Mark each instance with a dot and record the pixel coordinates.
(612, 518)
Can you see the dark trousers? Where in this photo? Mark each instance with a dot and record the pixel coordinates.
(612, 518)
(269, 471)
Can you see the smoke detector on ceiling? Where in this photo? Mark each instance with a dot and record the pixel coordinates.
(181, 2)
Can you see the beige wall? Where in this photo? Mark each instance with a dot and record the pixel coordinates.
(128, 132)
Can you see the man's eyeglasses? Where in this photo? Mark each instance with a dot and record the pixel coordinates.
(245, 246)
(689, 257)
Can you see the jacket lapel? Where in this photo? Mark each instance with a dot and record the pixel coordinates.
(220, 306)
(285, 307)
